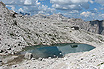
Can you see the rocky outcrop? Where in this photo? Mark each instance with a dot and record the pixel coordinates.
(58, 17)
(95, 26)
(39, 16)
(98, 26)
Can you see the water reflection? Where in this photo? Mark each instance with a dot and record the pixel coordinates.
(57, 50)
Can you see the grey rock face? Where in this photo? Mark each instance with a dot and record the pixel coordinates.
(95, 26)
(58, 17)
(98, 25)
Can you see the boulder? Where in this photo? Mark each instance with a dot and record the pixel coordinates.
(40, 59)
(9, 48)
(28, 55)
(75, 28)
(0, 62)
(1, 51)
(13, 66)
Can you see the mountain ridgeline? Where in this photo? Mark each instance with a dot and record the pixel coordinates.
(96, 26)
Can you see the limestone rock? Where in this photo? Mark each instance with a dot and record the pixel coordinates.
(1, 51)
(9, 48)
(13, 66)
(28, 55)
(9, 58)
(102, 66)
(0, 62)
(40, 59)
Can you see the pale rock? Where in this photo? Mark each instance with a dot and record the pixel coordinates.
(102, 66)
(28, 55)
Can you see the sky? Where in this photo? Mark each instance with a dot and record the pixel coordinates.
(84, 9)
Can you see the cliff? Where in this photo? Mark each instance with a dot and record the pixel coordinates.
(95, 26)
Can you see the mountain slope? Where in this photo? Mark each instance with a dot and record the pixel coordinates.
(17, 31)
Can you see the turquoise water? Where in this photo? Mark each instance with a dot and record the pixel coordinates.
(56, 50)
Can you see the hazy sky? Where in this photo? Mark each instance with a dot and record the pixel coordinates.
(85, 9)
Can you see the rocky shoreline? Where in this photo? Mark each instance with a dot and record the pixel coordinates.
(87, 60)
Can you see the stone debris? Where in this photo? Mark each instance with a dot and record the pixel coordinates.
(17, 32)
(13, 66)
(102, 66)
(8, 59)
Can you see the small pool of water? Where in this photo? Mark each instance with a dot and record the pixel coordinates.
(56, 50)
